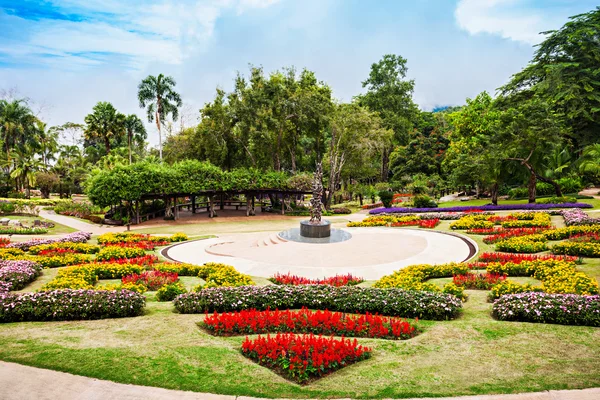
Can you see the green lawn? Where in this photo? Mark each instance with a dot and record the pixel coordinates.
(471, 355)
(58, 229)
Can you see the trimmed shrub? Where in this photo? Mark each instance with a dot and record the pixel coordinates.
(386, 197)
(170, 291)
(351, 299)
(67, 304)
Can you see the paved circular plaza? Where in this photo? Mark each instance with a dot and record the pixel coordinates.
(371, 252)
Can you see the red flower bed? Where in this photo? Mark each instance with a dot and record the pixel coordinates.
(148, 259)
(56, 252)
(519, 258)
(373, 205)
(144, 244)
(498, 219)
(338, 280)
(478, 281)
(4, 241)
(477, 265)
(502, 234)
(305, 321)
(591, 237)
(153, 280)
(423, 223)
(303, 357)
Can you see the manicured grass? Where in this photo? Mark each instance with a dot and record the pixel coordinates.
(58, 229)
(471, 355)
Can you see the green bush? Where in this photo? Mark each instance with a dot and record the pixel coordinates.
(423, 201)
(386, 198)
(518, 193)
(170, 291)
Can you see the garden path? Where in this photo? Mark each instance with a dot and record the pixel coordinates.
(80, 225)
(16, 384)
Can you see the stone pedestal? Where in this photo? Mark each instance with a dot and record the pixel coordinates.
(315, 230)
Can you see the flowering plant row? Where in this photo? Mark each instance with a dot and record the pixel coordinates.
(75, 237)
(305, 321)
(478, 281)
(67, 304)
(76, 247)
(489, 207)
(523, 244)
(503, 234)
(182, 269)
(351, 299)
(413, 277)
(338, 280)
(127, 237)
(303, 357)
(528, 220)
(115, 252)
(4, 241)
(144, 244)
(17, 274)
(423, 223)
(518, 258)
(576, 217)
(18, 230)
(152, 280)
(565, 309)
(51, 260)
(577, 248)
(85, 276)
(217, 275)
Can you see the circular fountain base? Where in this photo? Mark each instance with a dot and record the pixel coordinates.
(336, 236)
(320, 229)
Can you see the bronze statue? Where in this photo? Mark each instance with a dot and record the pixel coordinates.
(316, 205)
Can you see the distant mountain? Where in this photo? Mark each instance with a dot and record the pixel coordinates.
(440, 108)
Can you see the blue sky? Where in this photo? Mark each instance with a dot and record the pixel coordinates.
(69, 54)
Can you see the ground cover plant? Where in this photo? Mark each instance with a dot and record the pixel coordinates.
(304, 321)
(337, 280)
(302, 358)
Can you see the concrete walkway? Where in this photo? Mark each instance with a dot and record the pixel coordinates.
(19, 382)
(80, 225)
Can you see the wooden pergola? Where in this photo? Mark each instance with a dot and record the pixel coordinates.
(214, 198)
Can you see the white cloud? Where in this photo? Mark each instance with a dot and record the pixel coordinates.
(506, 18)
(132, 34)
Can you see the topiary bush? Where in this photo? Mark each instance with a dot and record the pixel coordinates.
(423, 201)
(386, 198)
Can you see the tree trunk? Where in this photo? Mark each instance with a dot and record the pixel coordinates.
(159, 136)
(129, 145)
(385, 165)
(107, 144)
(494, 193)
(531, 188)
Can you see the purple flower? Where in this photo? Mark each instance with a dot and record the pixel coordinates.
(489, 207)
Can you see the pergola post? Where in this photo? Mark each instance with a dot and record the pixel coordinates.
(253, 211)
(176, 211)
(282, 204)
(222, 201)
(193, 204)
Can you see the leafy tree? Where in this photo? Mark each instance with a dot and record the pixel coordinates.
(136, 132)
(157, 94)
(104, 123)
(565, 73)
(356, 134)
(16, 121)
(25, 167)
(47, 142)
(390, 94)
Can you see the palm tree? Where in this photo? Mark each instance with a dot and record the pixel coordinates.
(104, 123)
(135, 131)
(46, 142)
(16, 119)
(158, 93)
(26, 165)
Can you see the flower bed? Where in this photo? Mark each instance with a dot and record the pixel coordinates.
(503, 234)
(489, 207)
(566, 233)
(519, 258)
(305, 321)
(153, 280)
(147, 260)
(75, 237)
(218, 275)
(143, 244)
(18, 273)
(528, 220)
(67, 304)
(523, 244)
(426, 223)
(125, 237)
(338, 280)
(351, 299)
(85, 276)
(565, 309)
(182, 269)
(576, 217)
(581, 249)
(13, 230)
(413, 277)
(115, 252)
(302, 358)
(75, 247)
(472, 222)
(478, 281)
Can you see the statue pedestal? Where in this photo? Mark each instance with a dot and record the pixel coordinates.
(315, 229)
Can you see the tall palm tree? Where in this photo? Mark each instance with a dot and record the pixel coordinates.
(16, 119)
(135, 131)
(25, 167)
(104, 123)
(46, 142)
(158, 94)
